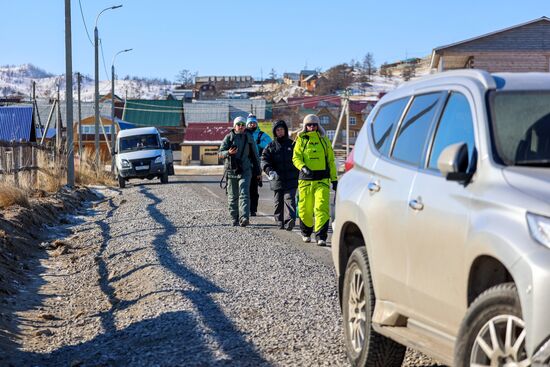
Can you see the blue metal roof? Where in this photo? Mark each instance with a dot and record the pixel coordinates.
(124, 125)
(16, 124)
(50, 134)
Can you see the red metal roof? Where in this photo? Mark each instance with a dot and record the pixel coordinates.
(207, 131)
(313, 102)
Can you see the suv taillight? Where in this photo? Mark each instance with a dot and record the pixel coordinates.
(349, 162)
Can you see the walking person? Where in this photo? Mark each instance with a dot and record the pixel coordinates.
(314, 157)
(283, 176)
(241, 164)
(261, 139)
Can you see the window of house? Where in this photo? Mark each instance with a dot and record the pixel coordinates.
(352, 120)
(325, 120)
(330, 134)
(385, 122)
(413, 131)
(455, 126)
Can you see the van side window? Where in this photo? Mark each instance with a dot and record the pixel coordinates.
(413, 132)
(455, 126)
(384, 124)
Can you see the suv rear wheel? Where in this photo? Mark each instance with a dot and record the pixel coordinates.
(493, 330)
(364, 346)
(121, 182)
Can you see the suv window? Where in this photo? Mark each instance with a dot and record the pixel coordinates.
(455, 126)
(413, 132)
(384, 124)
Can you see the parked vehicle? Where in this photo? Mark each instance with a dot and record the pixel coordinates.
(140, 153)
(169, 156)
(442, 231)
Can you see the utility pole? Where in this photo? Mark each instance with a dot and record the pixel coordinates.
(69, 93)
(58, 132)
(79, 79)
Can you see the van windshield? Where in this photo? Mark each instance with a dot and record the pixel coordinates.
(139, 142)
(521, 127)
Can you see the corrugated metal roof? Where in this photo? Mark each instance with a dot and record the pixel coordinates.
(154, 112)
(204, 111)
(50, 134)
(16, 124)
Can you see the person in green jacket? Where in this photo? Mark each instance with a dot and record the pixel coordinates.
(241, 163)
(314, 157)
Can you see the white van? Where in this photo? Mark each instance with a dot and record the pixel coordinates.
(140, 153)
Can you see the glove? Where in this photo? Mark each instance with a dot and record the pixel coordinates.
(306, 171)
(272, 176)
(334, 185)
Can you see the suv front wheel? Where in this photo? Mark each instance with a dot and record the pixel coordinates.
(493, 330)
(364, 346)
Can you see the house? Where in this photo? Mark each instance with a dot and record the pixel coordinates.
(106, 99)
(521, 48)
(88, 134)
(166, 115)
(17, 124)
(181, 94)
(202, 141)
(291, 78)
(209, 86)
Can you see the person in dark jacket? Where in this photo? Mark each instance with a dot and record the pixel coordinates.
(241, 163)
(283, 176)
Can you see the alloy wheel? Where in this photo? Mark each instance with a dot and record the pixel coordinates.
(357, 314)
(500, 342)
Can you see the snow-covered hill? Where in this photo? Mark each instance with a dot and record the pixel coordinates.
(18, 80)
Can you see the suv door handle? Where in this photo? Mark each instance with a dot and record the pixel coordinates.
(373, 186)
(416, 204)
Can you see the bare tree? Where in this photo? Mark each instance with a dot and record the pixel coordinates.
(336, 78)
(369, 67)
(186, 78)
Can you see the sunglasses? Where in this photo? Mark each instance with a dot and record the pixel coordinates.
(311, 125)
(240, 124)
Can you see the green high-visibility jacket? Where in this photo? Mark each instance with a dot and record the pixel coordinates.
(314, 151)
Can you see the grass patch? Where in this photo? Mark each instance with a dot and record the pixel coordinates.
(11, 195)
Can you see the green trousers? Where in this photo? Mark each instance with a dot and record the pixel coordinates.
(314, 201)
(237, 196)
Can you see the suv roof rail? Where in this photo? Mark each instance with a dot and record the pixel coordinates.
(482, 76)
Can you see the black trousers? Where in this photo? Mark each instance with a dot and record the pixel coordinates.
(254, 195)
(284, 203)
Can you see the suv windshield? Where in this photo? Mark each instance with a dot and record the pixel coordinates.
(521, 127)
(139, 142)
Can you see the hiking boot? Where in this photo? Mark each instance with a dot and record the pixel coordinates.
(321, 243)
(244, 222)
(235, 222)
(306, 239)
(290, 225)
(281, 225)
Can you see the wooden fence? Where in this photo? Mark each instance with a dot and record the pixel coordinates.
(22, 159)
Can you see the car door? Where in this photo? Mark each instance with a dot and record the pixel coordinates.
(437, 224)
(388, 190)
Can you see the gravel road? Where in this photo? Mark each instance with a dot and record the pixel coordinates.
(155, 275)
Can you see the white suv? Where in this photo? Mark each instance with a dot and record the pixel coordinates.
(442, 231)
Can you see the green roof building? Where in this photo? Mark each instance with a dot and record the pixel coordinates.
(158, 113)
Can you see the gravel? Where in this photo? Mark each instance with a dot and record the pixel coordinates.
(155, 275)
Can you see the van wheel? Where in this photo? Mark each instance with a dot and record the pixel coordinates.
(364, 346)
(121, 182)
(493, 330)
(164, 178)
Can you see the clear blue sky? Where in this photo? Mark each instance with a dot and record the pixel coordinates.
(223, 37)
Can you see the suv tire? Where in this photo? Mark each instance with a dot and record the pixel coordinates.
(121, 182)
(364, 346)
(164, 178)
(495, 312)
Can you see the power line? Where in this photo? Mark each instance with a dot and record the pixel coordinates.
(84, 21)
(103, 58)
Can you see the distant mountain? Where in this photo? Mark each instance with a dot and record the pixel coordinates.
(17, 80)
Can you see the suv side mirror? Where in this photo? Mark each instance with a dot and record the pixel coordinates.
(453, 163)
(165, 145)
(113, 152)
